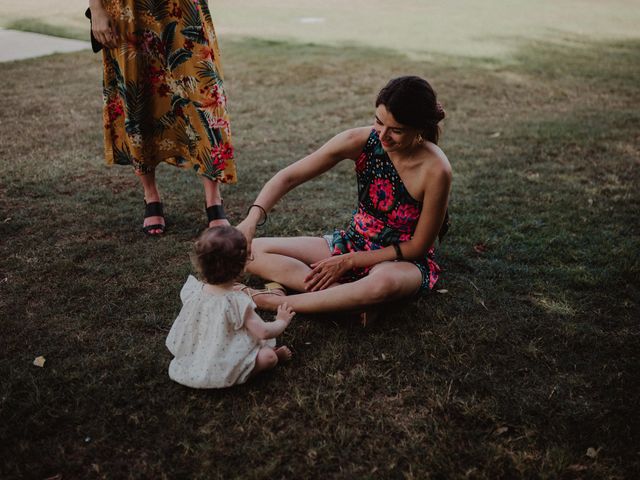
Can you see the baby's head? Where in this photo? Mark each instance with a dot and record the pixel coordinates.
(220, 254)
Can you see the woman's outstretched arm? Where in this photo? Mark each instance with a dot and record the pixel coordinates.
(347, 144)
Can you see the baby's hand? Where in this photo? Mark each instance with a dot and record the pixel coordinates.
(285, 313)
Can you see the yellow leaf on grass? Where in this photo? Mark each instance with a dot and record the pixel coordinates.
(39, 361)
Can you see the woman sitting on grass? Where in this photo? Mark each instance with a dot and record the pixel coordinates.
(387, 251)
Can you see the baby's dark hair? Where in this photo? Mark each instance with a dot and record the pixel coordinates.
(412, 102)
(220, 254)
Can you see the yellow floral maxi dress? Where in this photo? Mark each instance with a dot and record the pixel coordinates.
(163, 89)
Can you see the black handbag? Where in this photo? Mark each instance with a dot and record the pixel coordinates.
(96, 46)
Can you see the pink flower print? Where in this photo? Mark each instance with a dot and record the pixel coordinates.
(115, 109)
(367, 225)
(207, 53)
(381, 194)
(405, 215)
(219, 124)
(434, 272)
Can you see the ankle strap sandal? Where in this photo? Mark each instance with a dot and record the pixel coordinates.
(153, 209)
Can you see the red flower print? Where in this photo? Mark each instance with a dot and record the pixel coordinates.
(220, 154)
(381, 194)
(367, 225)
(219, 124)
(115, 109)
(207, 53)
(188, 44)
(404, 215)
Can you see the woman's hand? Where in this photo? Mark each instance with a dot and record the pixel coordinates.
(327, 272)
(103, 27)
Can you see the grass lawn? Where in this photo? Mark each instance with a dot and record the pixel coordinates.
(490, 29)
(527, 367)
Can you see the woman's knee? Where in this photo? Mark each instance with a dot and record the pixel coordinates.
(385, 287)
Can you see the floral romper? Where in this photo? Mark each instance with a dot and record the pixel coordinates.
(386, 213)
(164, 97)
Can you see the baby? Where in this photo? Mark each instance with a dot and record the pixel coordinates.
(218, 340)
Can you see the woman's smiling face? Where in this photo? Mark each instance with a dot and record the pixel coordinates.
(393, 135)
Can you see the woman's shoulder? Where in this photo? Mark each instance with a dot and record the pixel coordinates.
(350, 143)
(357, 137)
(437, 164)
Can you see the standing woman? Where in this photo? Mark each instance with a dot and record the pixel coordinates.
(164, 99)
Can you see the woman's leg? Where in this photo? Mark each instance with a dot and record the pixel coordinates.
(151, 194)
(386, 282)
(286, 260)
(213, 197)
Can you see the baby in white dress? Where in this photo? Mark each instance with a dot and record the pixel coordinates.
(218, 340)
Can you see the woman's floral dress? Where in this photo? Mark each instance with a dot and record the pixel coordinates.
(164, 98)
(386, 213)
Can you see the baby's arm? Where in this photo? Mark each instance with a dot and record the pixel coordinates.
(264, 330)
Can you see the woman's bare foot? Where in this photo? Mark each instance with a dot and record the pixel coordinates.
(283, 353)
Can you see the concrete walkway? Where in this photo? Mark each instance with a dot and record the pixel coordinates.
(16, 45)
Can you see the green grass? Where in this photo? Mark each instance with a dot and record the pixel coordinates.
(35, 25)
(528, 361)
(464, 28)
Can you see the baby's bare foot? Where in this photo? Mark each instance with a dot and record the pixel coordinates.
(283, 353)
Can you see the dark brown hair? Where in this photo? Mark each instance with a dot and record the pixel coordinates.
(220, 254)
(412, 102)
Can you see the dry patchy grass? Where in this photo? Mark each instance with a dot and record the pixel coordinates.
(529, 360)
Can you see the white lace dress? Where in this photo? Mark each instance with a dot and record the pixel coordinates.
(211, 346)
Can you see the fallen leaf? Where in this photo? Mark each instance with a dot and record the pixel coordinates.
(501, 430)
(495, 135)
(39, 361)
(592, 452)
(480, 248)
(577, 468)
(442, 290)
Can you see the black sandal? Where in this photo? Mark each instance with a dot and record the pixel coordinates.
(215, 212)
(153, 209)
